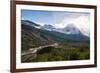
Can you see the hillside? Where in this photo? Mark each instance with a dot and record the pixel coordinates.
(40, 44)
(32, 37)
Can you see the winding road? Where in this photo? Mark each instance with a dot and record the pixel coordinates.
(29, 54)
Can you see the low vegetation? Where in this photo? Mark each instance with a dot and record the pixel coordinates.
(61, 54)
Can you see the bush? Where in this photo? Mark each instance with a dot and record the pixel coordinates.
(61, 54)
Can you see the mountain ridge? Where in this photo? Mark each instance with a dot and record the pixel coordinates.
(37, 36)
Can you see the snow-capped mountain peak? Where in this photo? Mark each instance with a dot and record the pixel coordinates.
(71, 29)
(68, 29)
(48, 27)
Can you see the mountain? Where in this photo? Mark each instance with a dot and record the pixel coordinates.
(71, 29)
(31, 36)
(30, 23)
(48, 27)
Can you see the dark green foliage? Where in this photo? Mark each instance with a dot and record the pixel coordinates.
(41, 58)
(45, 50)
(55, 58)
(61, 54)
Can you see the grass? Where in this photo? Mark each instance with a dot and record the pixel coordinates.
(61, 54)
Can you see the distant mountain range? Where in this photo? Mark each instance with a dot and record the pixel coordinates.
(34, 34)
(69, 29)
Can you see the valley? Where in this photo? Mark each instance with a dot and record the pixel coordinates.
(41, 44)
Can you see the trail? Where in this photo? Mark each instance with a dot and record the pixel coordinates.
(31, 53)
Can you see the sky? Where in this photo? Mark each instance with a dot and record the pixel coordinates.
(58, 19)
(40, 17)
